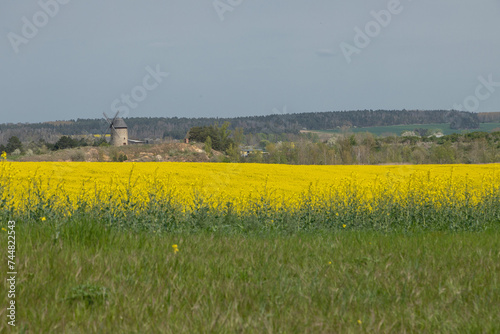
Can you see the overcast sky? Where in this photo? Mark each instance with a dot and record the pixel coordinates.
(245, 57)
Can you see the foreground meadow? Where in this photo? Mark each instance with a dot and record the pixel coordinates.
(82, 278)
(224, 248)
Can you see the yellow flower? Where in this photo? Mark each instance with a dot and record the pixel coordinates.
(176, 249)
(330, 262)
(4, 229)
(359, 321)
(344, 225)
(4, 155)
(44, 219)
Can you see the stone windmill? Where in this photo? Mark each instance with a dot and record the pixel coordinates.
(118, 129)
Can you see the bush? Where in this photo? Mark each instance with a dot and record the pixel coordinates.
(119, 157)
(78, 156)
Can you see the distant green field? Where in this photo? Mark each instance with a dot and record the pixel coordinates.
(398, 129)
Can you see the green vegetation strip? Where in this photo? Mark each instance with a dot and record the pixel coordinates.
(399, 129)
(83, 278)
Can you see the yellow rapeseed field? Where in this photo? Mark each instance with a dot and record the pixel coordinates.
(71, 184)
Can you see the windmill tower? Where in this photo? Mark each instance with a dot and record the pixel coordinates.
(118, 129)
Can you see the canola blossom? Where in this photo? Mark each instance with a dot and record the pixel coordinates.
(269, 193)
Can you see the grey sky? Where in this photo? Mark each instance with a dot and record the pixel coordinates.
(264, 55)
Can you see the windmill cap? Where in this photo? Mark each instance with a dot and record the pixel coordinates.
(119, 123)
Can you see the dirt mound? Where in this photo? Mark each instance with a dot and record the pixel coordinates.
(179, 152)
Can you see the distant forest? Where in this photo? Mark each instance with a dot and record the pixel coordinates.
(177, 128)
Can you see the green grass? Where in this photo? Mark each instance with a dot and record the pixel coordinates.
(398, 129)
(330, 265)
(80, 277)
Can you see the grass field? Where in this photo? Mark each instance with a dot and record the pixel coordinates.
(225, 248)
(398, 129)
(83, 278)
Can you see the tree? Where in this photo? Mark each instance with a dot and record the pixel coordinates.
(422, 132)
(219, 136)
(255, 156)
(238, 136)
(465, 121)
(344, 146)
(101, 142)
(224, 134)
(208, 146)
(234, 153)
(13, 144)
(443, 154)
(65, 142)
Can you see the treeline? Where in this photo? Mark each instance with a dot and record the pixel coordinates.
(475, 147)
(489, 117)
(16, 147)
(177, 127)
(309, 149)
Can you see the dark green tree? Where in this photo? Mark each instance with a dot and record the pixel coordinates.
(65, 142)
(219, 136)
(13, 144)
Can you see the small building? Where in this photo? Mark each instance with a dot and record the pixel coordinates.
(247, 151)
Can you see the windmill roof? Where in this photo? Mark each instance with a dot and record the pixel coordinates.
(119, 123)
